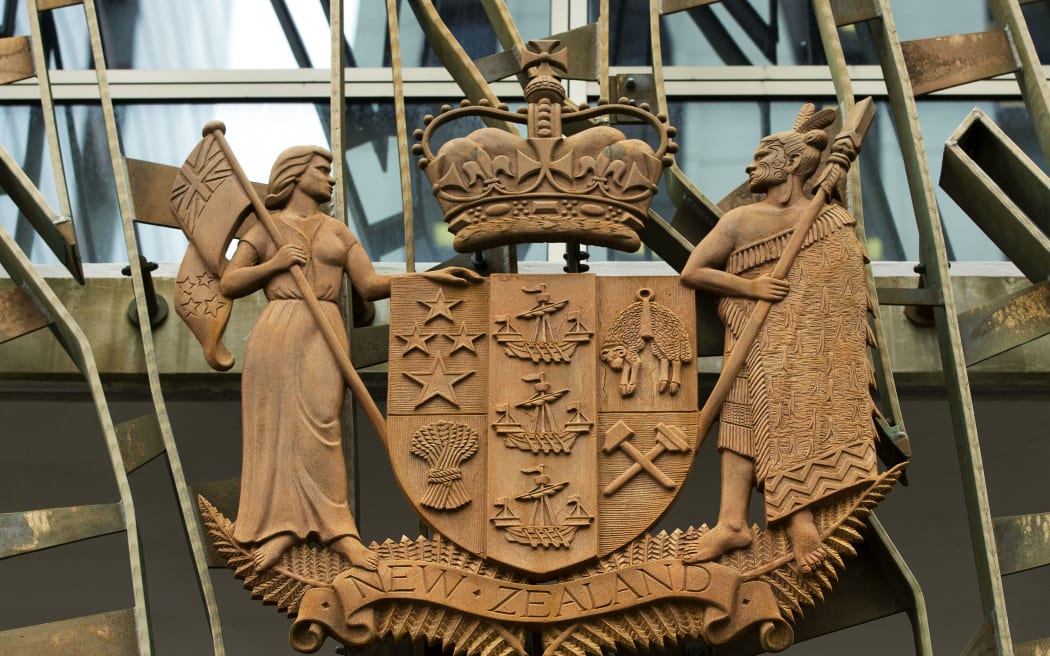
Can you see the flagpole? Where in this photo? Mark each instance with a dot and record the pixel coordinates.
(855, 127)
(360, 392)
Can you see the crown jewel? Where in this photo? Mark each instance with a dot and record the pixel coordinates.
(498, 188)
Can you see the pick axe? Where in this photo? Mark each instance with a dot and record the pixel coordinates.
(668, 438)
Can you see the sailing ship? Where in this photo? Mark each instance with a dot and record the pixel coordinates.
(545, 345)
(544, 528)
(543, 435)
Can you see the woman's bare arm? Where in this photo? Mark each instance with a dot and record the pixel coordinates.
(243, 275)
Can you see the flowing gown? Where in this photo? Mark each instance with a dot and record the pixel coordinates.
(293, 478)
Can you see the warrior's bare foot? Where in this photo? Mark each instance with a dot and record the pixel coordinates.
(722, 538)
(358, 554)
(268, 553)
(805, 540)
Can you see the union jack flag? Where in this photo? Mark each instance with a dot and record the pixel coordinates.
(210, 204)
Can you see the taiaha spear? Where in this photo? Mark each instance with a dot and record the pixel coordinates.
(843, 151)
(218, 130)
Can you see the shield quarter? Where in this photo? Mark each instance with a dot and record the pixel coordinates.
(542, 420)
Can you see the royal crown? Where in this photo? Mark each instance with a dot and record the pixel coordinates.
(498, 188)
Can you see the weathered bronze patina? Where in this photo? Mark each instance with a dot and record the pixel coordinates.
(541, 424)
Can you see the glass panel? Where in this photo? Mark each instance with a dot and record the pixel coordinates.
(767, 32)
(717, 139)
(192, 34)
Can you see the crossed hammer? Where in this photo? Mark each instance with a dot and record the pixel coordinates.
(668, 438)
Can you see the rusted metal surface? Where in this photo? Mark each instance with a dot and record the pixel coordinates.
(637, 88)
(1006, 323)
(140, 441)
(151, 193)
(16, 59)
(44, 5)
(949, 61)
(1002, 191)
(1033, 648)
(497, 66)
(582, 42)
(33, 530)
(673, 6)
(112, 634)
(54, 228)
(583, 65)
(1023, 541)
(848, 12)
(19, 315)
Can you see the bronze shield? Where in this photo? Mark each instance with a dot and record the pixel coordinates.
(542, 420)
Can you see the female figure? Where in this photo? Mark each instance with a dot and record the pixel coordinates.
(293, 480)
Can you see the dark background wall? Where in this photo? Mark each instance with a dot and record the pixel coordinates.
(52, 454)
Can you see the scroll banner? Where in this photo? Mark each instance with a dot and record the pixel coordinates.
(729, 605)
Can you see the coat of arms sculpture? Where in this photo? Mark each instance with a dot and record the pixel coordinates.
(542, 424)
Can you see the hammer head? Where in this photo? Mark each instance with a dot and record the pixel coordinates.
(672, 438)
(617, 435)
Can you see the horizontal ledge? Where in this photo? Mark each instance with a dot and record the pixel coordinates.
(34, 530)
(314, 83)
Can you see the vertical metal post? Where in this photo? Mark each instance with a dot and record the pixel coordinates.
(187, 506)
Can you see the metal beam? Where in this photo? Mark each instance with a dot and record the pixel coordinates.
(1002, 190)
(1006, 323)
(674, 6)
(949, 61)
(312, 85)
(16, 59)
(1023, 541)
(848, 12)
(19, 315)
(1033, 648)
(140, 441)
(916, 296)
(34, 530)
(55, 229)
(110, 633)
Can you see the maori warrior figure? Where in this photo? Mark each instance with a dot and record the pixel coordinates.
(797, 419)
(293, 479)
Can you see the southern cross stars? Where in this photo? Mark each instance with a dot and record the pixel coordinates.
(439, 307)
(437, 382)
(463, 340)
(194, 296)
(416, 341)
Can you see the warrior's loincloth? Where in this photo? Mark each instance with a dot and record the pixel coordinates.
(801, 405)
